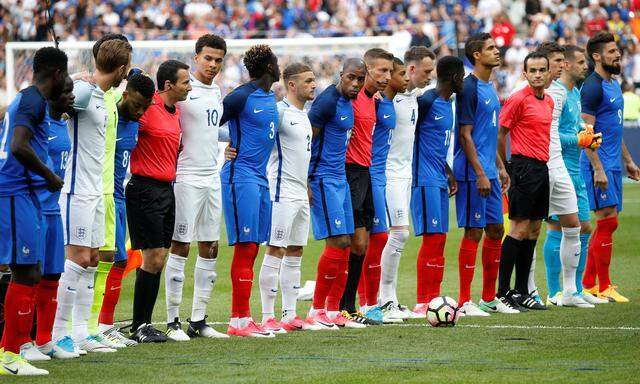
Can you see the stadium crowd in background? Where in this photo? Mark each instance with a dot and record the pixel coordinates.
(517, 26)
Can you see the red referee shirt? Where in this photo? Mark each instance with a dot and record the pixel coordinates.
(156, 154)
(364, 115)
(528, 120)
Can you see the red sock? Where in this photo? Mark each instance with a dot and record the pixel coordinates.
(19, 308)
(46, 305)
(244, 255)
(466, 267)
(371, 270)
(591, 270)
(434, 267)
(111, 295)
(340, 282)
(326, 276)
(491, 250)
(603, 245)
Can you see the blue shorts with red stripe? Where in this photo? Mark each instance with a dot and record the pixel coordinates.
(475, 211)
(331, 210)
(21, 231)
(247, 212)
(430, 210)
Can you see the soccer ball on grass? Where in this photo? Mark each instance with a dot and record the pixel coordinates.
(442, 312)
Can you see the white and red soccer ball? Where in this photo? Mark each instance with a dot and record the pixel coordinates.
(443, 312)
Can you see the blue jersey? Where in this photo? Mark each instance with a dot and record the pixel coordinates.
(568, 128)
(603, 99)
(477, 105)
(252, 115)
(28, 109)
(385, 124)
(332, 114)
(126, 140)
(434, 127)
(59, 147)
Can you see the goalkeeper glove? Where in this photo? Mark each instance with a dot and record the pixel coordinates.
(588, 139)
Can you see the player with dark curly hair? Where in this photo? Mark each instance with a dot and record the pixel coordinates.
(252, 116)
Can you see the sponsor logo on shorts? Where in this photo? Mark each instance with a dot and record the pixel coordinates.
(278, 233)
(182, 228)
(338, 223)
(81, 233)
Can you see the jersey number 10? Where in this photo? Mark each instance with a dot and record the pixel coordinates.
(212, 117)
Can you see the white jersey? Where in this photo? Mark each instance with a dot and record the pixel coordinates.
(87, 131)
(401, 147)
(200, 115)
(289, 161)
(558, 94)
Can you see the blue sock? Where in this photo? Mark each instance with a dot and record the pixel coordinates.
(584, 246)
(552, 261)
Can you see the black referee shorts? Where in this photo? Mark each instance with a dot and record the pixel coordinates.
(150, 212)
(529, 191)
(359, 181)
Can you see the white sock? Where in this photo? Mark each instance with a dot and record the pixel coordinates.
(243, 322)
(290, 285)
(569, 256)
(82, 307)
(389, 265)
(269, 285)
(102, 328)
(67, 290)
(531, 285)
(173, 282)
(314, 311)
(204, 280)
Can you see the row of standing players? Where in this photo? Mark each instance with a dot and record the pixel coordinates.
(279, 152)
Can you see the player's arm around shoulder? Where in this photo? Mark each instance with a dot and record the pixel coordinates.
(83, 91)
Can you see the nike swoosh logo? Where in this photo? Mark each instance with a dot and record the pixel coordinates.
(52, 138)
(435, 265)
(257, 110)
(329, 277)
(342, 118)
(292, 123)
(13, 372)
(397, 101)
(487, 101)
(493, 308)
(606, 244)
(99, 107)
(194, 98)
(374, 266)
(116, 288)
(469, 266)
(325, 324)
(246, 280)
(297, 326)
(438, 118)
(119, 139)
(612, 99)
(386, 116)
(23, 313)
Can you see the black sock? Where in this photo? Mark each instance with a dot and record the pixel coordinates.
(348, 301)
(152, 295)
(140, 299)
(510, 252)
(523, 266)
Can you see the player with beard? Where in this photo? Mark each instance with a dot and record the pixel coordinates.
(481, 177)
(419, 62)
(602, 107)
(358, 161)
(23, 159)
(131, 104)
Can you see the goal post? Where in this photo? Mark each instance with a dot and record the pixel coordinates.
(324, 55)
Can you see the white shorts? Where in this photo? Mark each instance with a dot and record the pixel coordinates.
(83, 220)
(562, 194)
(198, 213)
(289, 223)
(398, 195)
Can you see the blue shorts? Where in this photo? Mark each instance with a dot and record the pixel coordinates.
(380, 216)
(430, 210)
(121, 231)
(610, 197)
(583, 200)
(53, 251)
(475, 211)
(331, 211)
(21, 234)
(247, 212)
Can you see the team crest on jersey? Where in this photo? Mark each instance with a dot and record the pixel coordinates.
(279, 233)
(182, 228)
(81, 233)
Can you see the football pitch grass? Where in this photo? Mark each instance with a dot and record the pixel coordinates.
(559, 345)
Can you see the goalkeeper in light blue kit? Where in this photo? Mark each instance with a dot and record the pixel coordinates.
(572, 139)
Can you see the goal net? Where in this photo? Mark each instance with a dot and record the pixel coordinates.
(324, 55)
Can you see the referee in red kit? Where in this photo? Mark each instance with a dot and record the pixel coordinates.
(149, 193)
(526, 117)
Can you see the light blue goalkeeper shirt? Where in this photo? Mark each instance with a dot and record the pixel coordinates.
(568, 127)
